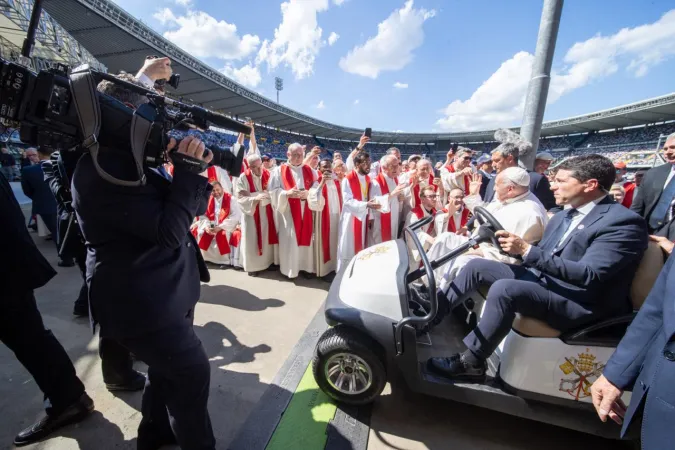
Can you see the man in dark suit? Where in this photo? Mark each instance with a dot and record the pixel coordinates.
(644, 362)
(143, 273)
(36, 188)
(23, 269)
(579, 272)
(484, 166)
(506, 155)
(656, 194)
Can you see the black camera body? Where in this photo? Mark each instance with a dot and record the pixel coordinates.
(44, 106)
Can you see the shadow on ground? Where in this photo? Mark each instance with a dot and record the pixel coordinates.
(236, 298)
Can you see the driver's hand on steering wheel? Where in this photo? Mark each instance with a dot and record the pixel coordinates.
(512, 244)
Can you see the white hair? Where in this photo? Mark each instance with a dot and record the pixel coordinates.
(670, 137)
(516, 176)
(424, 160)
(386, 160)
(295, 145)
(253, 158)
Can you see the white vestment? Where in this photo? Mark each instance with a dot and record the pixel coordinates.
(523, 216)
(229, 223)
(452, 180)
(426, 235)
(292, 257)
(318, 203)
(393, 206)
(441, 221)
(251, 260)
(351, 209)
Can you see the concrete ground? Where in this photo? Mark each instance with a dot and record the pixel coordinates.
(248, 327)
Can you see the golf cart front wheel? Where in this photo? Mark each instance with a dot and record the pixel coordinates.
(347, 368)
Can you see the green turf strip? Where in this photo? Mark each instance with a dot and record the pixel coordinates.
(303, 425)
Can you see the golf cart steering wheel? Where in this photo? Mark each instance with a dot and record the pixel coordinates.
(485, 217)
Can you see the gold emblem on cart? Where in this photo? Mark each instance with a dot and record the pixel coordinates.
(584, 370)
(373, 251)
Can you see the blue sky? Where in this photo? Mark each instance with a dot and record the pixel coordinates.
(425, 65)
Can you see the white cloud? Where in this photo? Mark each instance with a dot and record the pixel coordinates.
(500, 100)
(248, 75)
(203, 36)
(185, 3)
(297, 40)
(332, 39)
(356, 102)
(399, 85)
(392, 48)
(320, 105)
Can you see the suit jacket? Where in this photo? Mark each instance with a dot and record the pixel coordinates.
(486, 181)
(539, 186)
(644, 361)
(22, 266)
(650, 190)
(594, 266)
(36, 188)
(143, 264)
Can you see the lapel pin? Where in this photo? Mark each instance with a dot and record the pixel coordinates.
(580, 227)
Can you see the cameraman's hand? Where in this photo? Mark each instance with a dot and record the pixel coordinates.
(192, 147)
(156, 69)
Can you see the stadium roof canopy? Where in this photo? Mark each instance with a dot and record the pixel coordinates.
(121, 42)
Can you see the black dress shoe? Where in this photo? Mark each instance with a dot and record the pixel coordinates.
(81, 310)
(135, 382)
(66, 263)
(457, 368)
(146, 441)
(48, 424)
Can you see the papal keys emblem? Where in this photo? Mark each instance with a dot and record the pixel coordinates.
(583, 370)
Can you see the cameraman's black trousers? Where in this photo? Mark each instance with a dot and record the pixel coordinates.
(36, 348)
(177, 391)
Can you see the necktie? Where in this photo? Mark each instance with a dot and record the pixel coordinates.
(660, 211)
(554, 241)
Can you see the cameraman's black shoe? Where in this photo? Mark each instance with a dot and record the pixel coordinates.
(81, 310)
(136, 382)
(48, 424)
(65, 263)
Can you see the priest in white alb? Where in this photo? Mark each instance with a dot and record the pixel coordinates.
(289, 190)
(259, 239)
(458, 174)
(357, 203)
(515, 208)
(386, 221)
(217, 231)
(454, 216)
(325, 199)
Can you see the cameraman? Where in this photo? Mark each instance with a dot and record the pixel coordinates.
(143, 272)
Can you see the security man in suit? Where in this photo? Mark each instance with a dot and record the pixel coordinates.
(655, 200)
(23, 269)
(143, 272)
(644, 362)
(579, 272)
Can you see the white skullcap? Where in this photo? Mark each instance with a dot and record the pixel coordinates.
(517, 176)
(544, 156)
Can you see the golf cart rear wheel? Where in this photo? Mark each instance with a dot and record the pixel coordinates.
(347, 366)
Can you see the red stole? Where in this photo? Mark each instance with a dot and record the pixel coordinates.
(385, 218)
(212, 174)
(272, 237)
(416, 189)
(303, 223)
(325, 220)
(355, 186)
(629, 188)
(419, 213)
(221, 237)
(451, 168)
(451, 220)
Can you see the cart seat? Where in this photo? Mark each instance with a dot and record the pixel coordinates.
(650, 266)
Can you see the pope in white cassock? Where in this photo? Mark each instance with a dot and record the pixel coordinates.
(325, 199)
(515, 208)
(357, 202)
(217, 231)
(386, 221)
(259, 240)
(289, 190)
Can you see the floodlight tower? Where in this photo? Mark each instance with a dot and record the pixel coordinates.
(279, 86)
(537, 90)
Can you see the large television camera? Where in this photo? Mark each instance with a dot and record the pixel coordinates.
(60, 111)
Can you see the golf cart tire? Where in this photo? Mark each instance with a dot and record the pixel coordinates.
(342, 339)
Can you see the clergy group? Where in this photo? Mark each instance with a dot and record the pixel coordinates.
(309, 216)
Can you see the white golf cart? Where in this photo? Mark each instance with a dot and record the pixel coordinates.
(537, 372)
